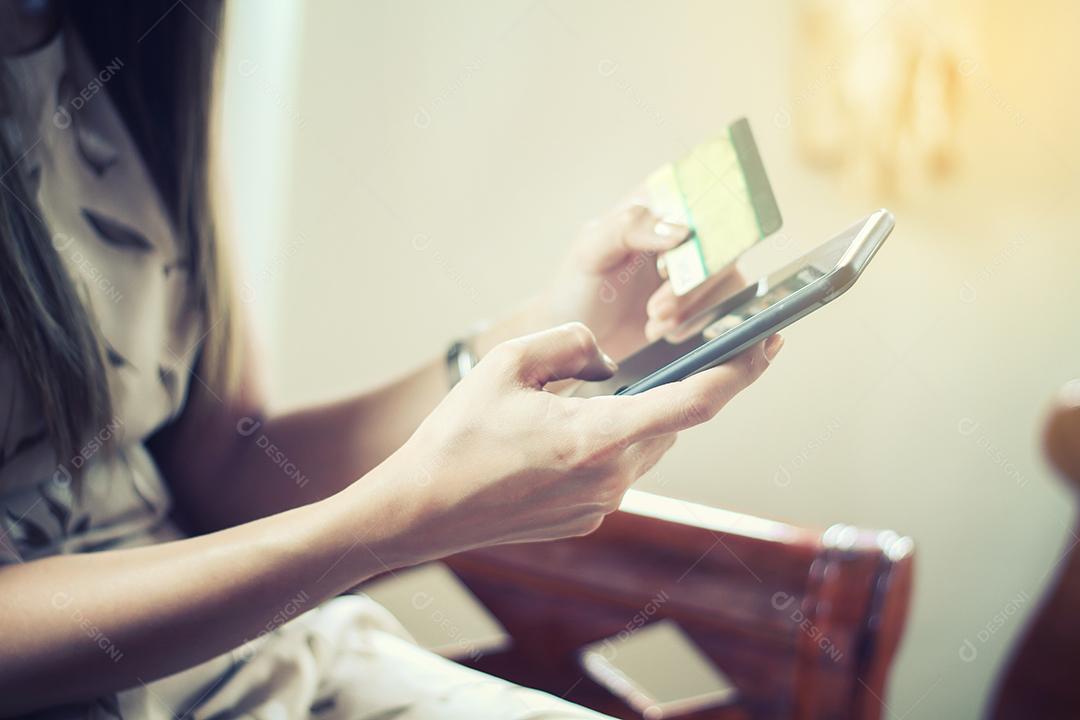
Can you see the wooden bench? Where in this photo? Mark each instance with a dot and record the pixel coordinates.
(804, 623)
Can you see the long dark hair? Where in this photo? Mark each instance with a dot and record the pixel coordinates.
(163, 94)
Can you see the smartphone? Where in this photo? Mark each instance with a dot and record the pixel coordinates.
(752, 314)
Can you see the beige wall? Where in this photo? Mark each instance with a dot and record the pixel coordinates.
(444, 155)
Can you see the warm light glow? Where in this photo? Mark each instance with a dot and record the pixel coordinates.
(876, 91)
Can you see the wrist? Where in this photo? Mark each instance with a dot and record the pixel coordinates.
(373, 524)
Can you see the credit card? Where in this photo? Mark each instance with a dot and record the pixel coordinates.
(720, 191)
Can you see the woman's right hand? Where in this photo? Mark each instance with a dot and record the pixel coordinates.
(501, 460)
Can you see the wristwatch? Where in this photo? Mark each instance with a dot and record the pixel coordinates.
(460, 359)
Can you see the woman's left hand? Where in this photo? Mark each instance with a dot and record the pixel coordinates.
(610, 282)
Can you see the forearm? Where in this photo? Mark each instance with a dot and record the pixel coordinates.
(289, 460)
(299, 457)
(163, 608)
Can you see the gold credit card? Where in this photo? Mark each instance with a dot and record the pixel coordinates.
(720, 190)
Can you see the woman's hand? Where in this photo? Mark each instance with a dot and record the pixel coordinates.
(501, 460)
(610, 282)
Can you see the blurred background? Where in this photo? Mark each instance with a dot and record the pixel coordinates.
(399, 170)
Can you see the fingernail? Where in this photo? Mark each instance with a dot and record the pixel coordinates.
(661, 267)
(772, 347)
(671, 231)
(611, 364)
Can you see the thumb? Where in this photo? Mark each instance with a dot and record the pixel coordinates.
(563, 352)
(608, 242)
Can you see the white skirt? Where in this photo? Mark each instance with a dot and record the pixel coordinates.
(346, 660)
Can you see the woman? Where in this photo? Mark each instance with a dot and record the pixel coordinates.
(151, 548)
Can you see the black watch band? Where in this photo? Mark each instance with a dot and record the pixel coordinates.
(460, 359)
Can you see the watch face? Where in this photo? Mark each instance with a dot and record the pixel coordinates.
(460, 359)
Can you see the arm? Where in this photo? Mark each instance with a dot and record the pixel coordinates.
(228, 461)
(273, 463)
(533, 466)
(170, 606)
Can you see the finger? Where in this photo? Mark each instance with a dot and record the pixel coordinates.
(670, 315)
(659, 310)
(656, 329)
(651, 231)
(627, 231)
(566, 351)
(654, 235)
(696, 399)
(666, 305)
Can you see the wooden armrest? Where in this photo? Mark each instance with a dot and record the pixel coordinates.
(805, 624)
